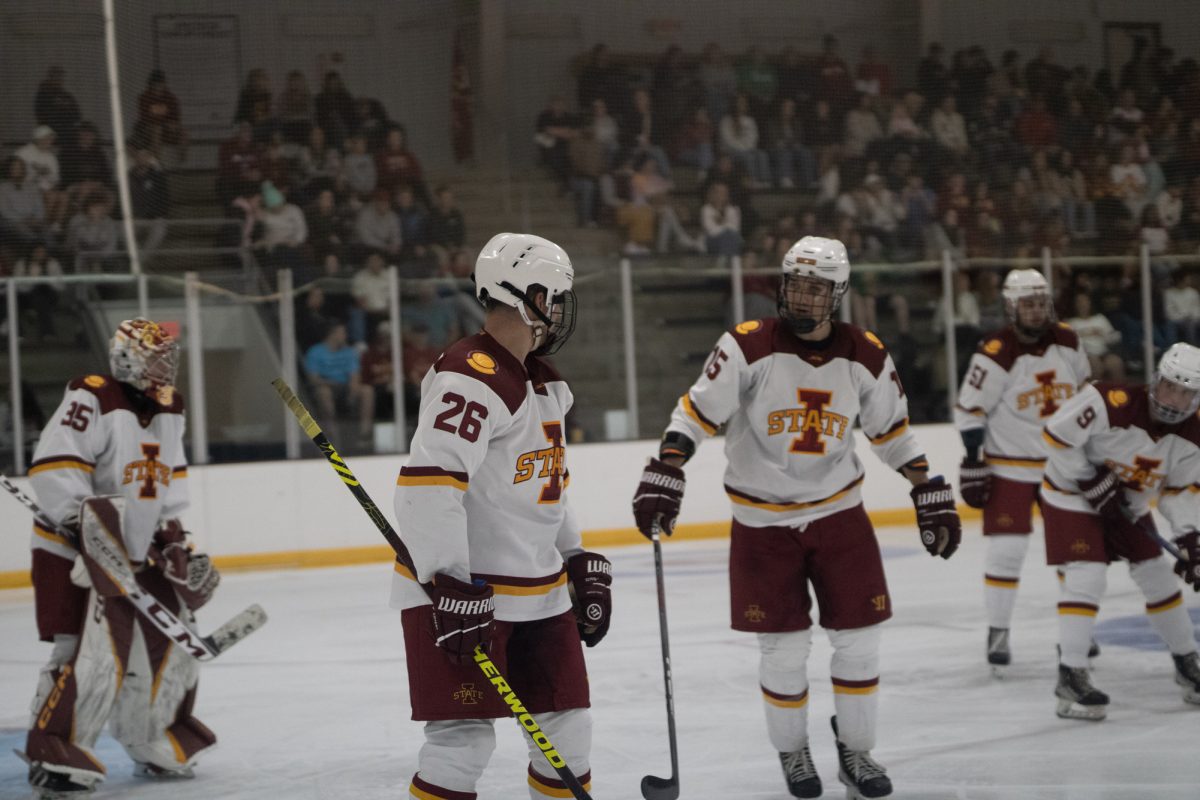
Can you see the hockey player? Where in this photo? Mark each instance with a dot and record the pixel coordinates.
(789, 390)
(1113, 449)
(482, 507)
(119, 434)
(1017, 378)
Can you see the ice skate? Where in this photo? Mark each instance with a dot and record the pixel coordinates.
(863, 777)
(800, 773)
(998, 654)
(51, 785)
(1093, 650)
(156, 773)
(1187, 675)
(1077, 698)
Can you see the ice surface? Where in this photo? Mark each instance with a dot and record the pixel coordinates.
(315, 705)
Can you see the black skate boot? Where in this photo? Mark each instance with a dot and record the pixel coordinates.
(998, 654)
(1077, 698)
(1187, 675)
(50, 785)
(864, 778)
(800, 773)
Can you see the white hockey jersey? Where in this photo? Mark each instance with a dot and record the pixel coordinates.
(483, 496)
(101, 441)
(790, 410)
(1012, 388)
(1110, 424)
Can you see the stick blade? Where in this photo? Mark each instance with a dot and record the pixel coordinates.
(654, 788)
(237, 628)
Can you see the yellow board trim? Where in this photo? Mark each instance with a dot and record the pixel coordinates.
(1078, 612)
(595, 539)
(801, 703)
(1178, 601)
(855, 689)
(431, 480)
(686, 400)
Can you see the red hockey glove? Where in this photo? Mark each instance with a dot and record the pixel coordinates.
(1188, 565)
(193, 574)
(975, 482)
(591, 581)
(658, 497)
(463, 616)
(937, 519)
(1104, 493)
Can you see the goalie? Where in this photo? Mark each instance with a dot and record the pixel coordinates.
(116, 441)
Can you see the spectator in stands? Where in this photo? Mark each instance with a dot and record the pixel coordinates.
(717, 80)
(601, 78)
(1170, 207)
(1125, 118)
(395, 165)
(358, 169)
(327, 228)
(946, 234)
(903, 128)
(949, 128)
(641, 132)
(313, 318)
(332, 367)
(965, 319)
(149, 196)
(1020, 217)
(721, 222)
(255, 104)
(371, 120)
(295, 108)
(835, 84)
(159, 121)
(795, 164)
(829, 181)
(1097, 336)
(447, 229)
(920, 211)
(377, 226)
(436, 312)
(419, 358)
(1079, 211)
(862, 127)
(414, 227)
(933, 76)
(555, 127)
(758, 81)
(376, 367)
(42, 297)
(588, 157)
(239, 165)
(85, 168)
(334, 108)
(93, 235)
(371, 300)
(1078, 134)
(1036, 126)
(739, 138)
(1045, 77)
(604, 129)
(821, 131)
(883, 214)
(284, 233)
(1129, 181)
(54, 106)
(694, 143)
(319, 167)
(795, 78)
(42, 169)
(22, 208)
(649, 189)
(673, 87)
(873, 77)
(1182, 305)
(1048, 185)
(277, 166)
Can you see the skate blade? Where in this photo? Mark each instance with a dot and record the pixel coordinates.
(1071, 710)
(1190, 694)
(153, 773)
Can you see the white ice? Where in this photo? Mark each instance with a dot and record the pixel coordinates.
(316, 704)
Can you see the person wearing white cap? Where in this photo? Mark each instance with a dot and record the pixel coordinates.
(41, 165)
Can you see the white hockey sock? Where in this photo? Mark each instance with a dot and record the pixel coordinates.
(571, 732)
(1164, 604)
(454, 755)
(854, 671)
(1001, 576)
(1079, 602)
(783, 678)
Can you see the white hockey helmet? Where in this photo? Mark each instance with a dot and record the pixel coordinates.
(803, 303)
(144, 355)
(1175, 390)
(512, 267)
(1027, 302)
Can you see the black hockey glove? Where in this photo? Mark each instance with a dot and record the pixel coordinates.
(1105, 494)
(975, 482)
(1188, 565)
(193, 574)
(590, 576)
(658, 497)
(937, 518)
(463, 616)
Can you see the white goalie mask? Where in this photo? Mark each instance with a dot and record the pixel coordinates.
(1175, 391)
(512, 268)
(1027, 302)
(143, 355)
(816, 275)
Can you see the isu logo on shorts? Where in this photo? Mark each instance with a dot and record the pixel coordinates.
(755, 614)
(148, 471)
(1079, 547)
(1045, 395)
(468, 695)
(810, 420)
(1139, 476)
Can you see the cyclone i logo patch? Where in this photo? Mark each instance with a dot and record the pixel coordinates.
(993, 346)
(1117, 397)
(873, 339)
(748, 327)
(1080, 547)
(94, 381)
(754, 614)
(481, 362)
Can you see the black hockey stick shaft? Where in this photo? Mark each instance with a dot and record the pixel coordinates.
(655, 788)
(481, 658)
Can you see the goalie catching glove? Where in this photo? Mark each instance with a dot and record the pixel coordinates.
(590, 576)
(937, 518)
(192, 574)
(463, 616)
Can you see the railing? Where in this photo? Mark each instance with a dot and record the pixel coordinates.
(669, 312)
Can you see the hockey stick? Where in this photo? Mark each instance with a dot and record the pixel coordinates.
(115, 564)
(481, 658)
(655, 788)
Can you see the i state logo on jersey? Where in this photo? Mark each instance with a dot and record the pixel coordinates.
(149, 471)
(1047, 394)
(811, 420)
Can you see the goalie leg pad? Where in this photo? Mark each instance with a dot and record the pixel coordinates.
(783, 678)
(1083, 587)
(1164, 604)
(854, 671)
(571, 732)
(453, 757)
